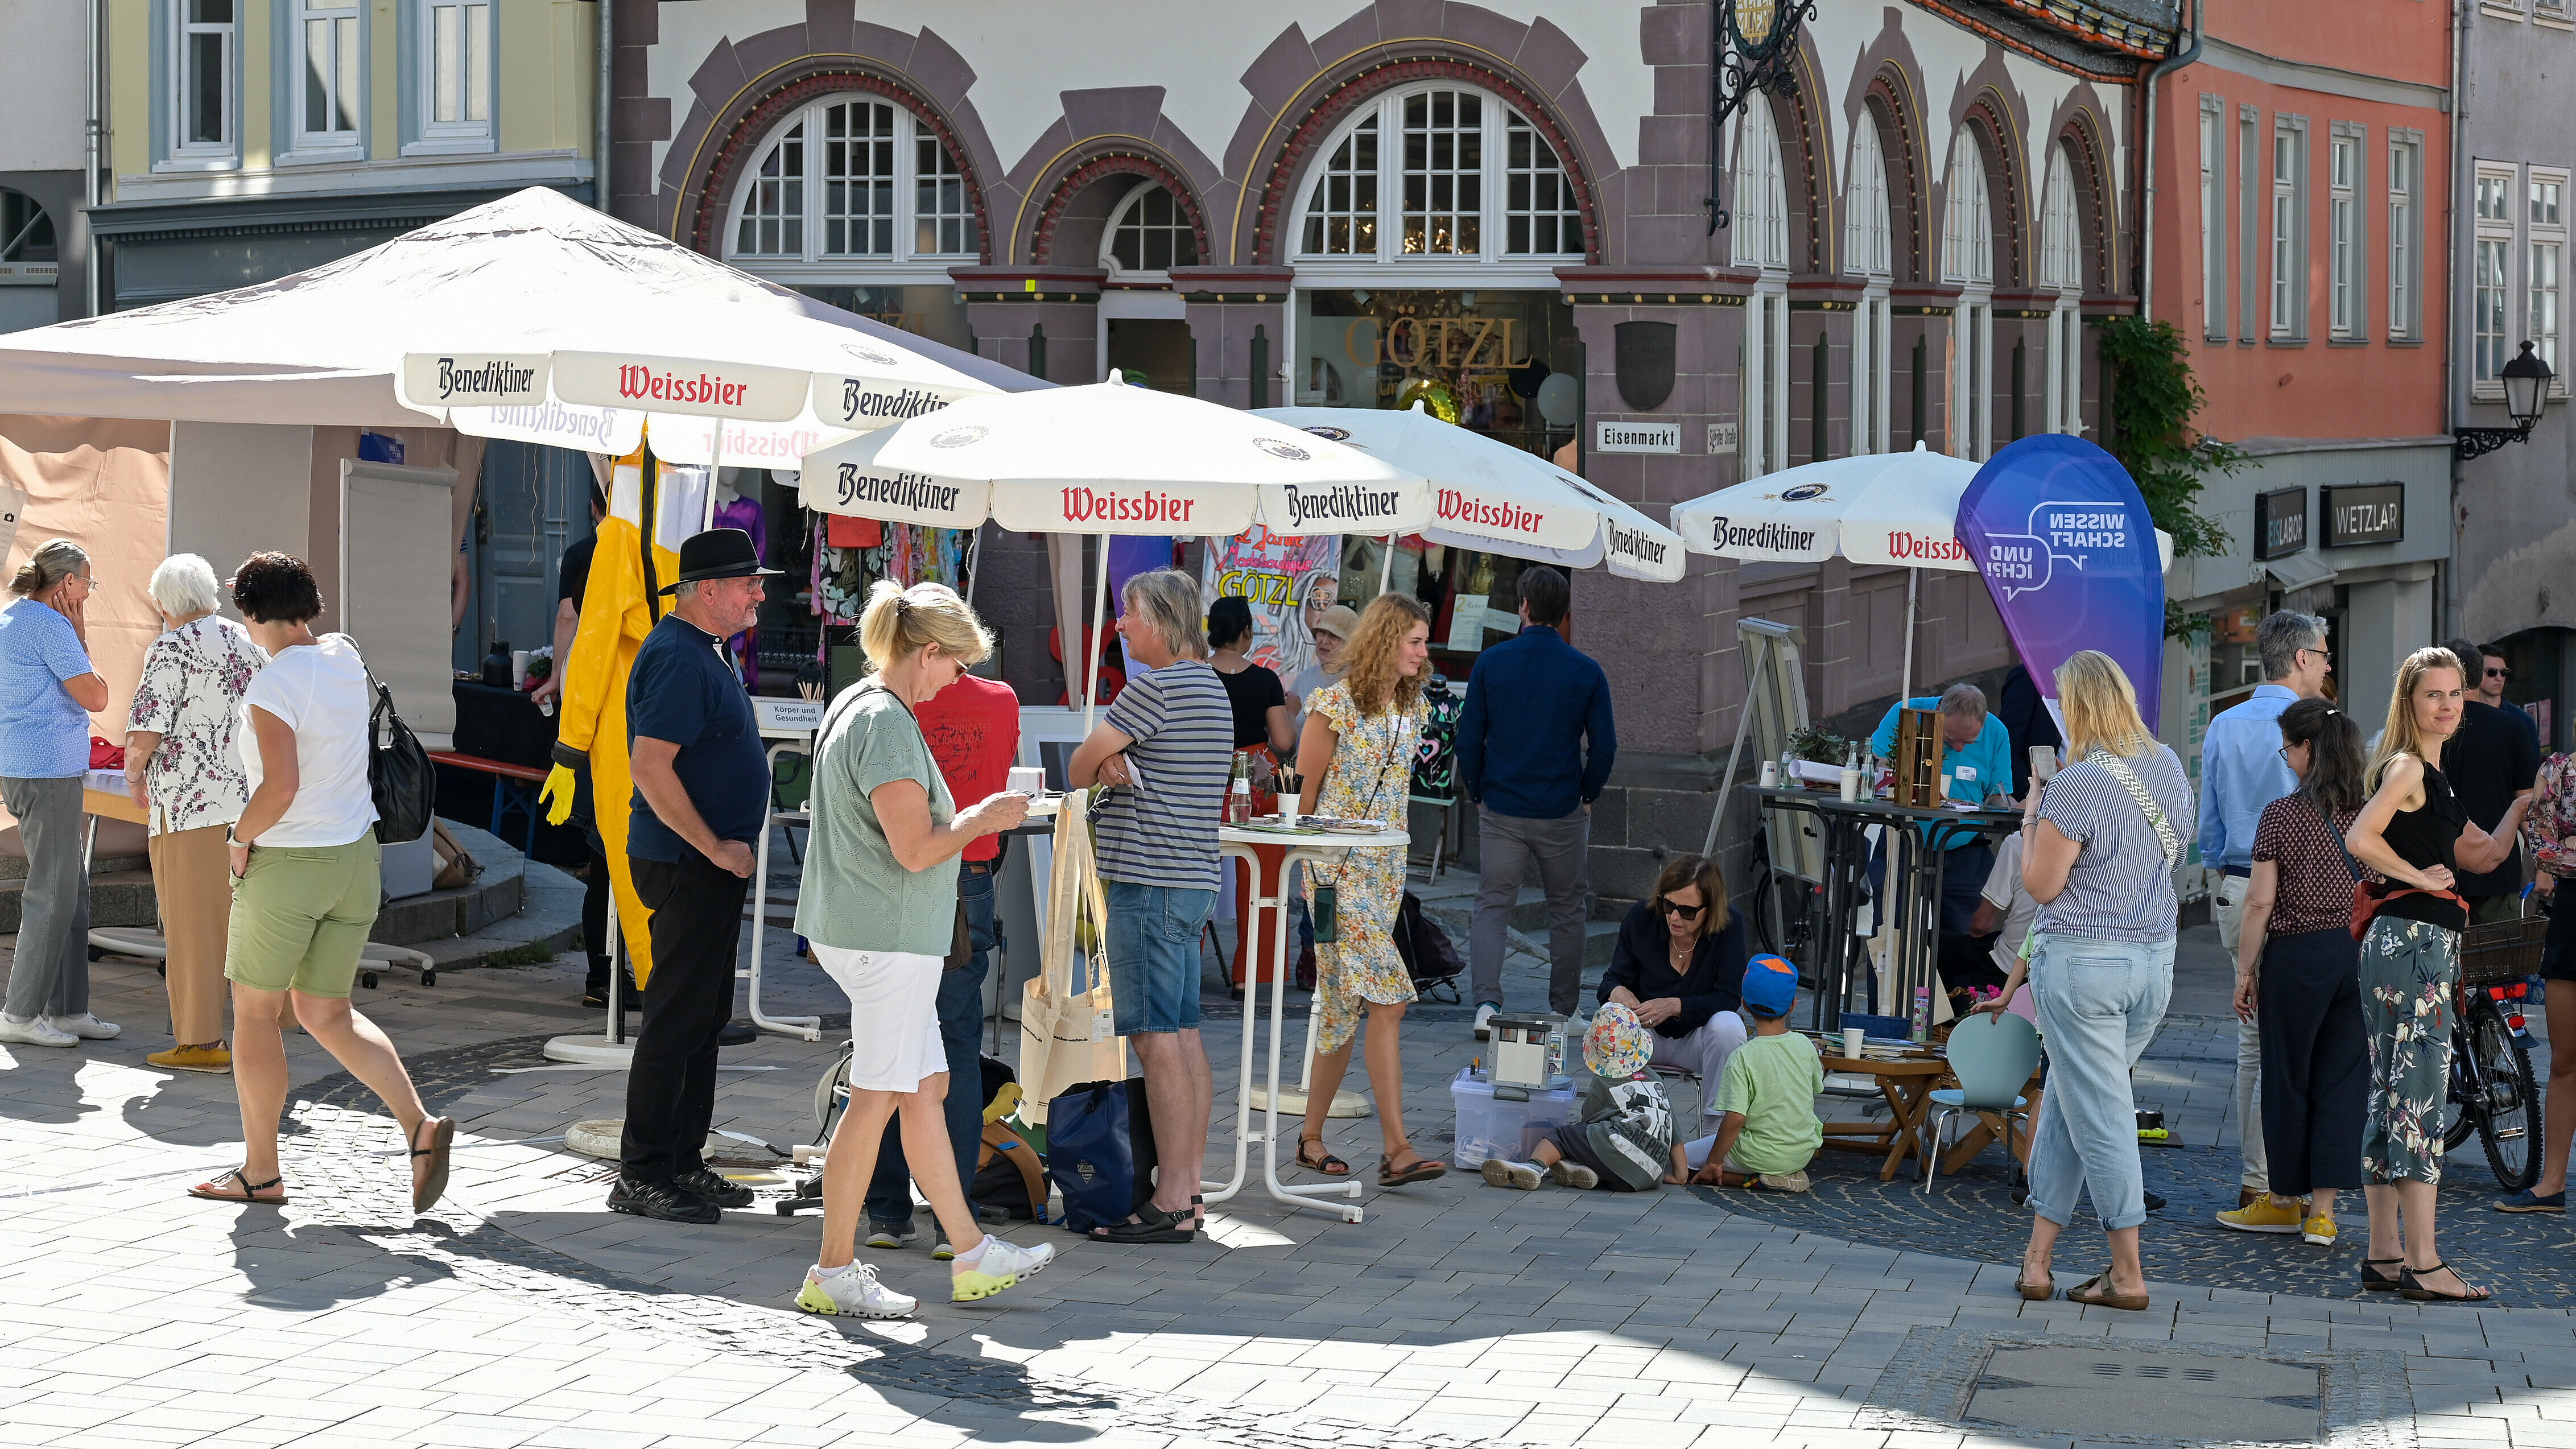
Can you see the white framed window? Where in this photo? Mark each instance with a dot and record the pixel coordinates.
(857, 185)
(2543, 277)
(1148, 235)
(2061, 268)
(2213, 217)
(1760, 228)
(2405, 153)
(1968, 260)
(1759, 234)
(329, 92)
(1869, 251)
(1470, 178)
(2285, 232)
(455, 62)
(2344, 262)
(203, 103)
(2490, 277)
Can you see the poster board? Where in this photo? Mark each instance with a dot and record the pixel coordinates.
(1289, 581)
(400, 618)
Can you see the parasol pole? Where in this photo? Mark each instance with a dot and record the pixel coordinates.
(715, 470)
(1099, 627)
(1905, 676)
(1386, 567)
(974, 563)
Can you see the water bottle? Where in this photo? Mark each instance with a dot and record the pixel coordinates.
(1238, 793)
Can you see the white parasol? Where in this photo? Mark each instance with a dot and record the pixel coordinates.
(1492, 497)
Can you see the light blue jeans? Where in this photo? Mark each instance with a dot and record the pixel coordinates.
(2099, 1005)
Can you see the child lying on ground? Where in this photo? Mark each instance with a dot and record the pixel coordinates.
(1626, 1129)
(1768, 1131)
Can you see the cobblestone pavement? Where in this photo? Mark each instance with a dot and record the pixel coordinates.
(522, 1313)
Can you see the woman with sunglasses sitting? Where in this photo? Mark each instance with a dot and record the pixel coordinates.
(1678, 965)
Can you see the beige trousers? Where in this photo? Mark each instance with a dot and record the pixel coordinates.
(193, 882)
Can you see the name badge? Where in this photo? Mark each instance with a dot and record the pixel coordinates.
(1967, 772)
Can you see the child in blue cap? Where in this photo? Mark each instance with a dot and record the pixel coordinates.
(1766, 1100)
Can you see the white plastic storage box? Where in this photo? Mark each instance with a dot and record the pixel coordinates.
(1492, 1127)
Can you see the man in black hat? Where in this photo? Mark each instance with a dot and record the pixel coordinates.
(701, 798)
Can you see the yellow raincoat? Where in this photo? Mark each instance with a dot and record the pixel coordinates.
(618, 609)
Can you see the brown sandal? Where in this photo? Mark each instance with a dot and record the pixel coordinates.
(1423, 1170)
(2037, 1292)
(1328, 1164)
(442, 1137)
(2092, 1294)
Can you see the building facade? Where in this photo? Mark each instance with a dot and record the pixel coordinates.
(43, 149)
(2513, 583)
(1357, 204)
(250, 139)
(2303, 177)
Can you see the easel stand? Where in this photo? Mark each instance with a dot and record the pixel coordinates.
(1272, 856)
(792, 722)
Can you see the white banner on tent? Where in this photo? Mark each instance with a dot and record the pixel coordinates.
(614, 431)
(1397, 507)
(681, 438)
(1513, 519)
(863, 401)
(846, 478)
(734, 392)
(431, 381)
(1213, 510)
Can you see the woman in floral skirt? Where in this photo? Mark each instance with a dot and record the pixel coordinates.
(2415, 834)
(1357, 755)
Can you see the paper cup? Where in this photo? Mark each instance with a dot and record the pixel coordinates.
(1028, 779)
(1770, 774)
(518, 669)
(1852, 1040)
(1851, 784)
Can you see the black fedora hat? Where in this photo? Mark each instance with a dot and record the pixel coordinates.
(718, 553)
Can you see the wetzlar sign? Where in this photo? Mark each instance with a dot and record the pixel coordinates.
(2364, 513)
(2280, 523)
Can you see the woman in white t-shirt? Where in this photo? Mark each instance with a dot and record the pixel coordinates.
(306, 881)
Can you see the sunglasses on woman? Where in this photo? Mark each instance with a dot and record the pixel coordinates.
(1676, 908)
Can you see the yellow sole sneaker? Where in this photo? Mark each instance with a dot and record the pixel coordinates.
(2318, 1231)
(970, 1285)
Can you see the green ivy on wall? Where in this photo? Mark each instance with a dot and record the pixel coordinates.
(2153, 399)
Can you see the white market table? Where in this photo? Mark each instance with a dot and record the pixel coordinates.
(1272, 854)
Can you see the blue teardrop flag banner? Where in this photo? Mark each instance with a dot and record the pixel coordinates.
(2062, 536)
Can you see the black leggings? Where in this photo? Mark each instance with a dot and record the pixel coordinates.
(2316, 1061)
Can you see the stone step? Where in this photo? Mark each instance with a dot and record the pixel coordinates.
(116, 898)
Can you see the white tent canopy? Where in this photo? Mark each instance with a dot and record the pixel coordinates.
(534, 272)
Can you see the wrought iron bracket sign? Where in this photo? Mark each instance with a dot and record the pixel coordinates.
(1751, 54)
(2478, 442)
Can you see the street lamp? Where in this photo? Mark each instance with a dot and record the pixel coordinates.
(2526, 389)
(1753, 51)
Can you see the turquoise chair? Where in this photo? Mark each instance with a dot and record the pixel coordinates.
(1993, 1056)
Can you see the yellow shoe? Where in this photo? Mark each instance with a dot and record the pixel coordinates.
(1001, 1265)
(2262, 1216)
(194, 1059)
(2319, 1230)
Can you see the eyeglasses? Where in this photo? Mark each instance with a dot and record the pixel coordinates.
(1676, 908)
(2495, 671)
(2326, 654)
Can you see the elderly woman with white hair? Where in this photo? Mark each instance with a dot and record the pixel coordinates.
(184, 769)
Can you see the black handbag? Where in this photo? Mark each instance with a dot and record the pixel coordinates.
(399, 772)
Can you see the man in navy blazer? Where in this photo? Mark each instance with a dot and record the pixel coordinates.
(1535, 745)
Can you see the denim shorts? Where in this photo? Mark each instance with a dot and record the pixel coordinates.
(1154, 955)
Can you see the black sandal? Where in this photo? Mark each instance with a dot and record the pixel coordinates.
(1329, 1166)
(2376, 1281)
(250, 1191)
(442, 1137)
(1423, 1170)
(2411, 1287)
(1152, 1225)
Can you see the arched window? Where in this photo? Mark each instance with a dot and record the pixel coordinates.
(1149, 232)
(1968, 262)
(1470, 178)
(2061, 268)
(852, 183)
(1760, 230)
(1869, 251)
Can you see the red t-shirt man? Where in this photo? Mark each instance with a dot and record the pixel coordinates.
(973, 727)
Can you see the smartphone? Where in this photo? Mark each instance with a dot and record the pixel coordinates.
(2043, 763)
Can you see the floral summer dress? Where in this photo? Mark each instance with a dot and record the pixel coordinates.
(1370, 777)
(194, 677)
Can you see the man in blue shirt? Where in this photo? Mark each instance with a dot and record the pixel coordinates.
(1976, 767)
(2241, 771)
(1535, 744)
(701, 801)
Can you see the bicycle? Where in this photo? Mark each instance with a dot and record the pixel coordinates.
(1782, 908)
(2492, 1090)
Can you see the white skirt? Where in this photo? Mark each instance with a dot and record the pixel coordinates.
(894, 1016)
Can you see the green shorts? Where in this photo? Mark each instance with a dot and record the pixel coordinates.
(300, 913)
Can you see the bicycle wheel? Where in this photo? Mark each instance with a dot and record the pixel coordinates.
(2510, 1125)
(831, 1094)
(1766, 908)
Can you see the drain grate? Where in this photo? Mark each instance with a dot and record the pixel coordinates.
(2019, 1385)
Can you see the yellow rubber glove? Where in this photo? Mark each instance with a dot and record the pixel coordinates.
(557, 792)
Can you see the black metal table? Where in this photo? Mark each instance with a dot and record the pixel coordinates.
(1912, 860)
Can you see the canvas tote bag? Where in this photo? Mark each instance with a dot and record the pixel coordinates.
(1067, 1037)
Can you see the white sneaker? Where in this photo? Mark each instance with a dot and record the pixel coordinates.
(86, 1026)
(1485, 1020)
(35, 1031)
(1001, 1265)
(1501, 1172)
(852, 1292)
(1566, 1172)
